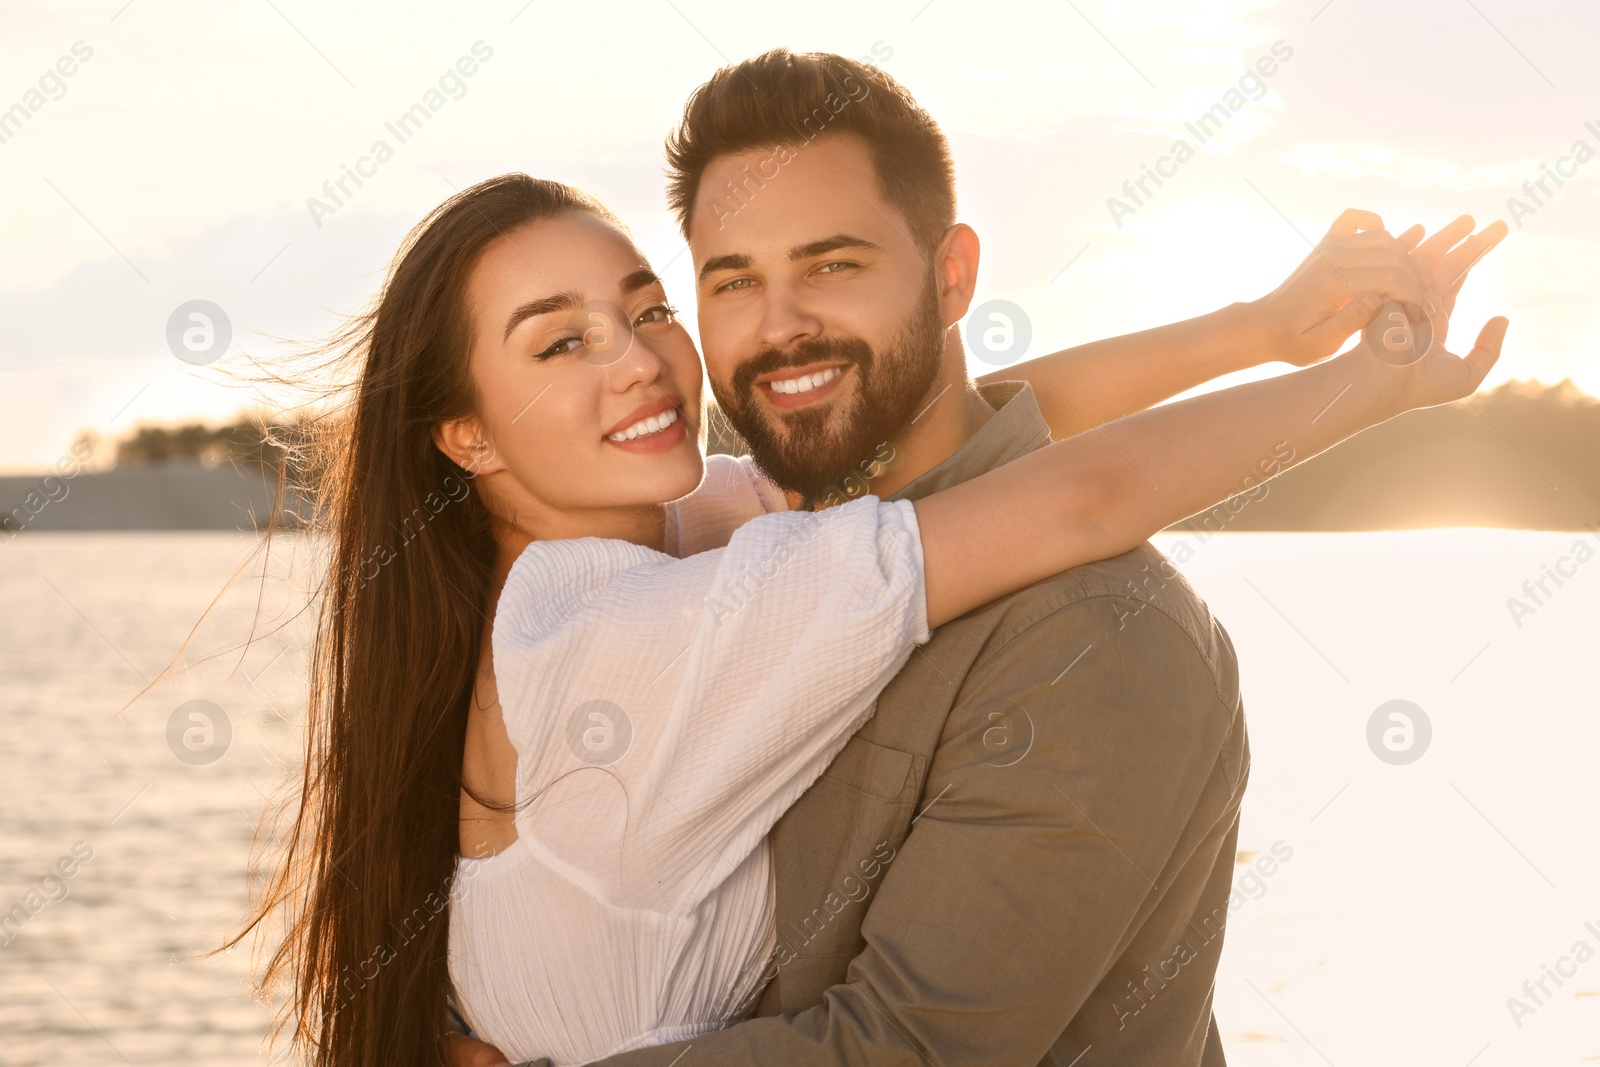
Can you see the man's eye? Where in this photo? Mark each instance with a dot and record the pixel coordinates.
(736, 285)
(835, 267)
(658, 313)
(560, 348)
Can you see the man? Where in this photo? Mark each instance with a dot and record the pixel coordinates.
(1026, 855)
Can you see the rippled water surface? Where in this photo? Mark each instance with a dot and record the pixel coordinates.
(1416, 899)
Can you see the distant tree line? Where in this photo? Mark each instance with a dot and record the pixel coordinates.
(1522, 455)
(256, 442)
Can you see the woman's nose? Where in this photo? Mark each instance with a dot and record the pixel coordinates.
(628, 355)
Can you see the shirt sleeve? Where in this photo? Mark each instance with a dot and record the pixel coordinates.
(733, 492)
(667, 711)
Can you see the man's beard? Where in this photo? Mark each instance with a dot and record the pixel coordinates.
(815, 451)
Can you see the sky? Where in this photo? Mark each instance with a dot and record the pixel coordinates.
(166, 152)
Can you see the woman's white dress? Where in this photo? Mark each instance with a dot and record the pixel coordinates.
(665, 712)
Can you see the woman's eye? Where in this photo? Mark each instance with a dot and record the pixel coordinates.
(658, 313)
(561, 347)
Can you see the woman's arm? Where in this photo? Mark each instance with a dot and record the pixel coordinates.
(1088, 385)
(1328, 298)
(666, 712)
(1102, 492)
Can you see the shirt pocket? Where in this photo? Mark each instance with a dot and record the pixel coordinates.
(877, 771)
(844, 833)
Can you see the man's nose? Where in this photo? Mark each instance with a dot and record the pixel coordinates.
(787, 318)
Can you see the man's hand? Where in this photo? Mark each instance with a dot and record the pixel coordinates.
(470, 1052)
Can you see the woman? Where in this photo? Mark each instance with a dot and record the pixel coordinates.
(543, 753)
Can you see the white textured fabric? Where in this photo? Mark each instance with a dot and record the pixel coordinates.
(665, 713)
(732, 493)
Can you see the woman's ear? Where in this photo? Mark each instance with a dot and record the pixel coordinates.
(463, 441)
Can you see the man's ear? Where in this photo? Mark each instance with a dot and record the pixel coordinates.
(956, 263)
(464, 442)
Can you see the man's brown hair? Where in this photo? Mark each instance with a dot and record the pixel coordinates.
(784, 101)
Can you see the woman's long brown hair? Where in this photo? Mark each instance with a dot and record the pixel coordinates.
(360, 892)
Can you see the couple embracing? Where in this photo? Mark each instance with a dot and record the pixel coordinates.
(890, 742)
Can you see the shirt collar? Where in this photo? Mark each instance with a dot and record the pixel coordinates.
(1015, 429)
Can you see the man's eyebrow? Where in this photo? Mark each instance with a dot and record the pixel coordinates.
(638, 280)
(543, 306)
(732, 261)
(740, 261)
(829, 244)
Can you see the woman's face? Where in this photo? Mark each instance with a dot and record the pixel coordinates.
(588, 388)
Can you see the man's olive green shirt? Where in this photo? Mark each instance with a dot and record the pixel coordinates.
(1025, 856)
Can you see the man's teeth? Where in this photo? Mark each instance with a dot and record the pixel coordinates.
(654, 424)
(806, 382)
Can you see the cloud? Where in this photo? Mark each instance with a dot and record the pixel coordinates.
(1349, 160)
(273, 275)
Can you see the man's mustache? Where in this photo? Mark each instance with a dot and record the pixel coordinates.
(816, 350)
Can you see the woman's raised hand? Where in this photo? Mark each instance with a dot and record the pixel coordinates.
(1337, 288)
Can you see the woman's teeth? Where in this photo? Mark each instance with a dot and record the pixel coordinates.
(806, 382)
(654, 424)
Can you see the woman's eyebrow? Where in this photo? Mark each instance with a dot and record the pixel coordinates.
(567, 301)
(638, 280)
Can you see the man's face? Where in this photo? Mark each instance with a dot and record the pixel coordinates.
(819, 318)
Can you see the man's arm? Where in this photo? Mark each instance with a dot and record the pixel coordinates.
(1022, 887)
(1327, 298)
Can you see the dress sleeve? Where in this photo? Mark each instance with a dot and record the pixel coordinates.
(667, 711)
(733, 492)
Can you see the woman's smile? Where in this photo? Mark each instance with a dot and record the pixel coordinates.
(653, 427)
